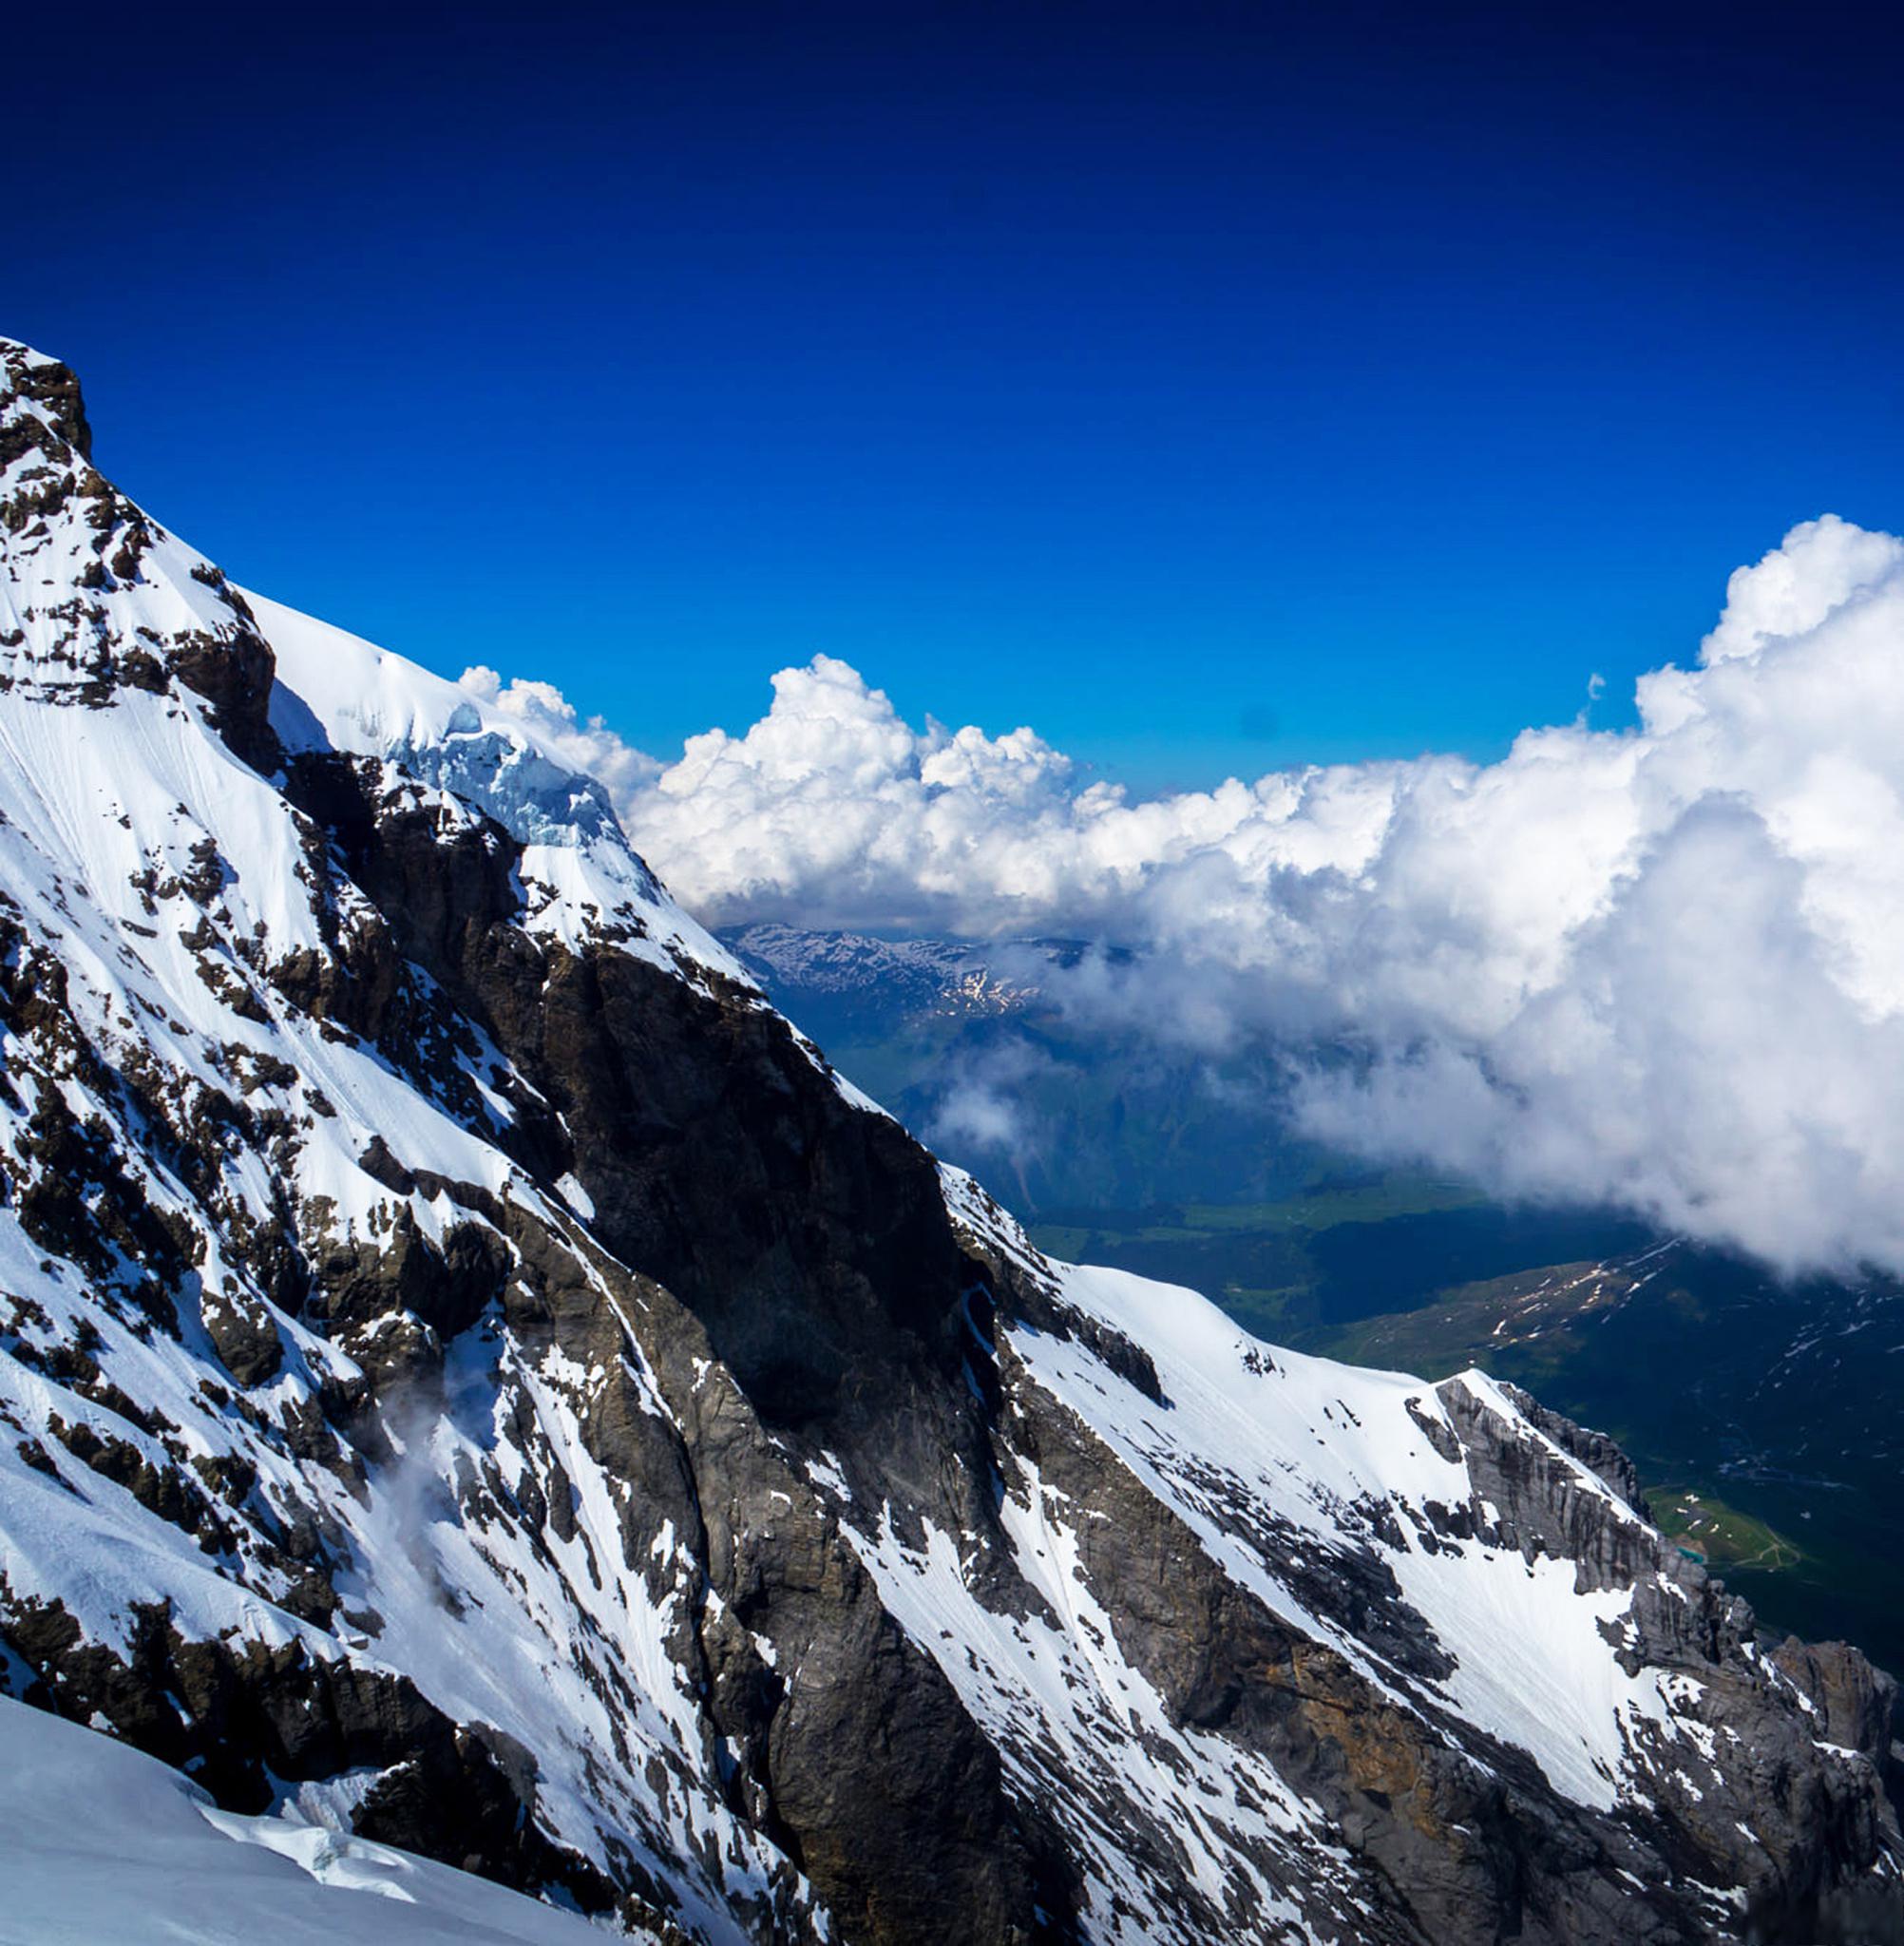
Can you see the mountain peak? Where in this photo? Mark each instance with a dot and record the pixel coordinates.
(96, 598)
(97, 601)
(33, 385)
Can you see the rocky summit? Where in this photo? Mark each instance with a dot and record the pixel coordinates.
(477, 1383)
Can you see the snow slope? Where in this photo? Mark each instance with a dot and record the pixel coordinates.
(99, 1844)
(1308, 1443)
(585, 879)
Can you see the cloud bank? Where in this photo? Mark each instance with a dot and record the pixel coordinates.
(1661, 967)
(591, 748)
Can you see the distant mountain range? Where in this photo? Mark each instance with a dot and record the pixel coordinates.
(854, 981)
(982, 1048)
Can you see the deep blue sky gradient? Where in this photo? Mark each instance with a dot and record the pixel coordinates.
(1211, 387)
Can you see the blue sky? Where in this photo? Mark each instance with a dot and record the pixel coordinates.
(1212, 388)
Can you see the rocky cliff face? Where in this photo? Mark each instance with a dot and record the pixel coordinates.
(471, 1372)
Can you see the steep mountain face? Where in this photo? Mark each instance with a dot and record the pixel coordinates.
(475, 1379)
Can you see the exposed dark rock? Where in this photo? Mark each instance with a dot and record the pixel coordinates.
(234, 673)
(246, 1337)
(56, 388)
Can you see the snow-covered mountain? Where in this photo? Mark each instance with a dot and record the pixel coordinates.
(475, 1380)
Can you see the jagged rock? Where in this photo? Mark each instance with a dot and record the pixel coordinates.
(245, 1337)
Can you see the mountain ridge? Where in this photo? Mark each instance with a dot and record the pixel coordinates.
(471, 1366)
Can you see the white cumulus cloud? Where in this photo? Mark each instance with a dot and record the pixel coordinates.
(1660, 966)
(591, 748)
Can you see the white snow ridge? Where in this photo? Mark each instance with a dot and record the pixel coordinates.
(497, 1440)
